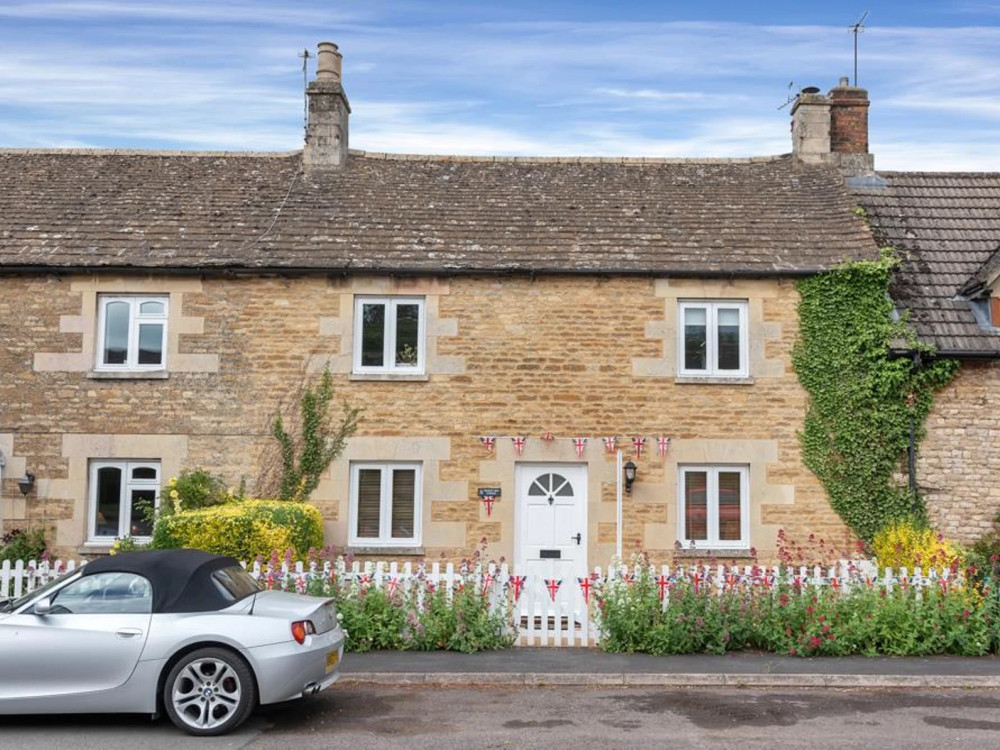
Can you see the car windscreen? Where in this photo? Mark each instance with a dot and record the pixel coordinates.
(235, 583)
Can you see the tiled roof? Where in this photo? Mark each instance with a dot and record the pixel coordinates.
(947, 228)
(134, 210)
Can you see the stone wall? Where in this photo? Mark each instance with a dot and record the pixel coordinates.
(572, 356)
(959, 460)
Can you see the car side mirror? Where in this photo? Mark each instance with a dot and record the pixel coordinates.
(43, 606)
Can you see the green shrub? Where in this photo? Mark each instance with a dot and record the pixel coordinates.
(18, 544)
(416, 616)
(798, 620)
(245, 530)
(199, 488)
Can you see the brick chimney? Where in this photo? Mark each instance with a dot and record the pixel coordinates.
(326, 129)
(833, 129)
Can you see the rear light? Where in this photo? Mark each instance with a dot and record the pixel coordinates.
(302, 628)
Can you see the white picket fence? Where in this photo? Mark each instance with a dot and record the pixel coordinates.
(546, 611)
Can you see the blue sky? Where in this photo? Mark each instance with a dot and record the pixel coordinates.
(548, 78)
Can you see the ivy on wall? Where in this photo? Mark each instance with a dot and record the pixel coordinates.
(857, 423)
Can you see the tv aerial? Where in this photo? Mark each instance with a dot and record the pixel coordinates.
(856, 29)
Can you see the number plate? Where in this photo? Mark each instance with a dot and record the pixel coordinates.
(331, 660)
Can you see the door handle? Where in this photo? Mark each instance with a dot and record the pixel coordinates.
(126, 633)
(578, 537)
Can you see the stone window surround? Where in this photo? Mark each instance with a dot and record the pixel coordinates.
(86, 324)
(340, 358)
(430, 452)
(78, 450)
(666, 329)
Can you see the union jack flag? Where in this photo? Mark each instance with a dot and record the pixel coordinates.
(663, 583)
(391, 585)
(548, 437)
(489, 442)
(488, 583)
(638, 443)
(518, 444)
(553, 584)
(488, 502)
(580, 444)
(610, 444)
(662, 446)
(585, 586)
(517, 583)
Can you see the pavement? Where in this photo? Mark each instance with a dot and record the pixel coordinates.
(587, 666)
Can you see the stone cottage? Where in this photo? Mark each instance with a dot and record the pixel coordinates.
(507, 325)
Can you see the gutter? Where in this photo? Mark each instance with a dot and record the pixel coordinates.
(342, 271)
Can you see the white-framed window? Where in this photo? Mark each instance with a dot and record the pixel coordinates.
(385, 504)
(713, 507)
(713, 340)
(132, 333)
(389, 335)
(123, 495)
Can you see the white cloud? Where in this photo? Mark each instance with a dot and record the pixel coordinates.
(226, 75)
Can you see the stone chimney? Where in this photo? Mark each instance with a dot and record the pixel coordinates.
(833, 129)
(326, 129)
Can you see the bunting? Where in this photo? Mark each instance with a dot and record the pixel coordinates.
(489, 442)
(610, 444)
(580, 444)
(553, 584)
(638, 444)
(662, 446)
(519, 444)
(517, 584)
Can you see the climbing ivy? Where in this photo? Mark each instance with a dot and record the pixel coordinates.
(857, 423)
(321, 439)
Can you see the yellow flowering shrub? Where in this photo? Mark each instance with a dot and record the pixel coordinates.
(243, 529)
(905, 544)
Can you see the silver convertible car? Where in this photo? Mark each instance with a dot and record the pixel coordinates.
(177, 630)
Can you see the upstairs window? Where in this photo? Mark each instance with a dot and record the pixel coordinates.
(123, 495)
(385, 504)
(713, 339)
(389, 335)
(132, 333)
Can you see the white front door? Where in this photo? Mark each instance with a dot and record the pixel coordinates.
(552, 523)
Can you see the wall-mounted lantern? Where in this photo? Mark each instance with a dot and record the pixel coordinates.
(26, 483)
(629, 470)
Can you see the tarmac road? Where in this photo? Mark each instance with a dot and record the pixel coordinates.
(368, 715)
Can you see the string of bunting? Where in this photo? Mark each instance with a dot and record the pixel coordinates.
(610, 442)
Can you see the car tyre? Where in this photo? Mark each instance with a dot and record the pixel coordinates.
(209, 692)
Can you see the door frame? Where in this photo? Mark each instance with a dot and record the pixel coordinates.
(523, 469)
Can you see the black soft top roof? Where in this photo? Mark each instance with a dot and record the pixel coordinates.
(181, 578)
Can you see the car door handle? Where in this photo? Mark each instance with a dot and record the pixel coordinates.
(126, 633)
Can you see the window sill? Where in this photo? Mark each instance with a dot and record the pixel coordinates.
(388, 376)
(128, 375)
(688, 553)
(387, 551)
(708, 380)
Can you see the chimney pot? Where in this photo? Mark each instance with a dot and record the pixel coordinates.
(844, 81)
(328, 63)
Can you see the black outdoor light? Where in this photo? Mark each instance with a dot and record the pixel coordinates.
(629, 475)
(26, 482)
